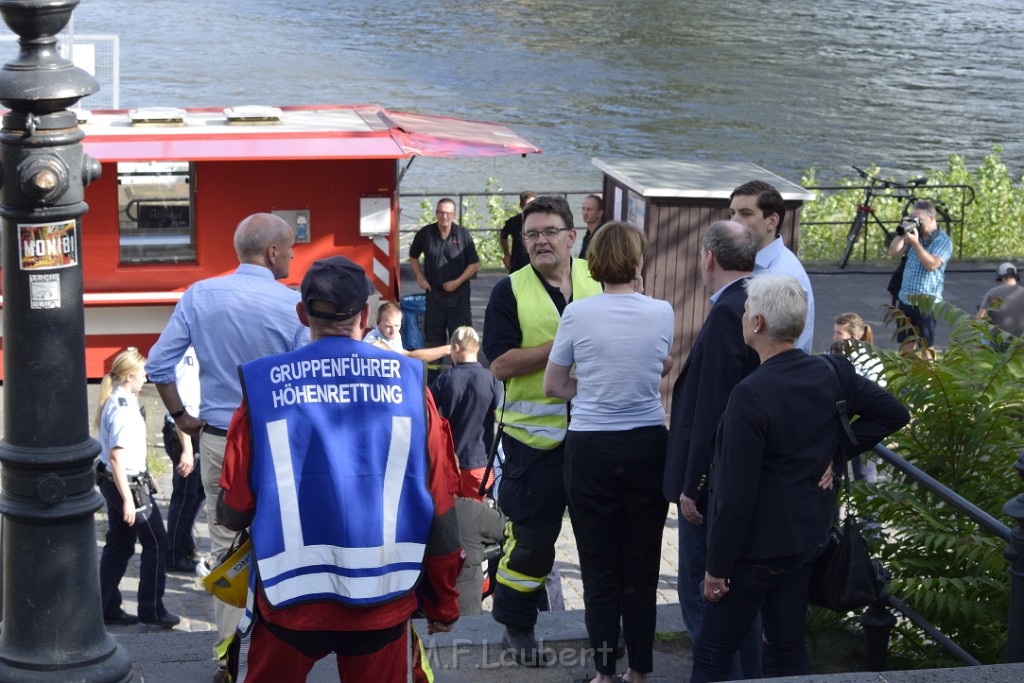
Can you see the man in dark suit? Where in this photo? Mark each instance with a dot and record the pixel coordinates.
(717, 362)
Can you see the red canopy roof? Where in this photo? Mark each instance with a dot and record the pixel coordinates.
(327, 132)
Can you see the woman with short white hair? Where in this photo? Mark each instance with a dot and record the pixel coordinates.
(770, 505)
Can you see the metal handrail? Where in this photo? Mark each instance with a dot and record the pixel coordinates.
(1015, 553)
(459, 198)
(985, 520)
(926, 626)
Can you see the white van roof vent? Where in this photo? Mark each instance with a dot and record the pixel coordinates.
(253, 114)
(157, 116)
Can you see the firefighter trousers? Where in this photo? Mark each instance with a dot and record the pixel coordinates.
(532, 495)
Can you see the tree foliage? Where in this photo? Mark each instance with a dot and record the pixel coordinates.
(966, 430)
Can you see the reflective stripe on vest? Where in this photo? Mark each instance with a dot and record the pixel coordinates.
(530, 417)
(339, 473)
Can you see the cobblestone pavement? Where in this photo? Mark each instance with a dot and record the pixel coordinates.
(185, 596)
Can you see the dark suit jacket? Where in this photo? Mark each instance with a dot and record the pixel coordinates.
(717, 362)
(778, 436)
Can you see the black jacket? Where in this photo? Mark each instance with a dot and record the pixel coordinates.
(778, 436)
(717, 362)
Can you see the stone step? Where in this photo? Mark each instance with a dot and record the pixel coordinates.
(472, 654)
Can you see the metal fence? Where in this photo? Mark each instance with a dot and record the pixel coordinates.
(412, 213)
(416, 209)
(955, 210)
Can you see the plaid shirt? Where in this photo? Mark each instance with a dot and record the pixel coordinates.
(919, 280)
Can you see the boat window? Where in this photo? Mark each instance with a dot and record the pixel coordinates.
(156, 212)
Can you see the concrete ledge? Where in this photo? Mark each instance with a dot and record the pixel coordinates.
(473, 654)
(552, 627)
(997, 673)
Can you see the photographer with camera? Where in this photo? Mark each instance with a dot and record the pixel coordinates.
(928, 250)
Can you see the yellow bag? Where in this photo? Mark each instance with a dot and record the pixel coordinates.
(229, 581)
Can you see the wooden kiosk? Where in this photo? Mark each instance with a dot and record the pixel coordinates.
(673, 201)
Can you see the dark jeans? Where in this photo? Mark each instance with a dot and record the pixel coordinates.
(925, 324)
(776, 587)
(187, 498)
(533, 498)
(693, 560)
(613, 488)
(120, 546)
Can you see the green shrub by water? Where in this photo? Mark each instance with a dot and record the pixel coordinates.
(966, 429)
(992, 223)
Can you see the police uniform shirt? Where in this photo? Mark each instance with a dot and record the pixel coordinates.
(122, 426)
(186, 377)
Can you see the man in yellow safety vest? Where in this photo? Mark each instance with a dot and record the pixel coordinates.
(519, 325)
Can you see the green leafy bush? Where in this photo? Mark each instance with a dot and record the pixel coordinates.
(966, 430)
(991, 223)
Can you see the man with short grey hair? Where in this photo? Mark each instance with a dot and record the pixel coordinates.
(229, 320)
(717, 362)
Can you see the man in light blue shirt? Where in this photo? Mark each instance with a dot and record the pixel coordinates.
(229, 320)
(759, 206)
(928, 250)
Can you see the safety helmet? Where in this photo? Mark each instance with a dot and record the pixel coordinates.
(229, 580)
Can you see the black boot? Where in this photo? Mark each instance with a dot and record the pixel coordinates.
(525, 649)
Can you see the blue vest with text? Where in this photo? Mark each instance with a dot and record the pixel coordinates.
(339, 472)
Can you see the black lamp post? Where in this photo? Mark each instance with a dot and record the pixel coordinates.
(53, 626)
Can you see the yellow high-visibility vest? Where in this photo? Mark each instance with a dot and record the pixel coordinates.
(530, 417)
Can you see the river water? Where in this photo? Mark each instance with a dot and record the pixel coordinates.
(787, 85)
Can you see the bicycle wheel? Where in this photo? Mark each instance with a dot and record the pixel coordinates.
(851, 237)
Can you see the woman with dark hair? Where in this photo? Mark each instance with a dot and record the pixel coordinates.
(615, 448)
(770, 505)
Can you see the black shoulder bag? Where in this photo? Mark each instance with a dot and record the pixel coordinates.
(845, 577)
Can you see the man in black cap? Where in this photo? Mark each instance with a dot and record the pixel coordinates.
(338, 463)
(1003, 305)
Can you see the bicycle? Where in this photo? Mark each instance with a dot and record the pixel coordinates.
(875, 188)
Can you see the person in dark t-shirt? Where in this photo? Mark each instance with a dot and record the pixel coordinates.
(512, 245)
(467, 395)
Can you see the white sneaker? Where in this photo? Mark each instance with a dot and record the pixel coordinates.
(203, 568)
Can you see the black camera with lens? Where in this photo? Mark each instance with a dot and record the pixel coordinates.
(909, 224)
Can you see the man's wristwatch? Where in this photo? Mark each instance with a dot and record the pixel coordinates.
(178, 413)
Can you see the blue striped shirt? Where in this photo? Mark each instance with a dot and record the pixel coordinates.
(919, 280)
(229, 320)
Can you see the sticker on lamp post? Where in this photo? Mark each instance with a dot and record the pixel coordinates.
(48, 245)
(44, 290)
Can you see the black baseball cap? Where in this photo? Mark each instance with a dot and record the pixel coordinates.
(338, 281)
